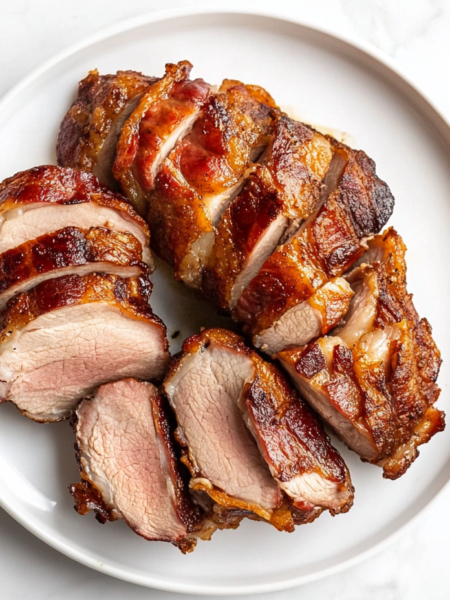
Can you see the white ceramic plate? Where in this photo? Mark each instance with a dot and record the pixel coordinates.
(324, 80)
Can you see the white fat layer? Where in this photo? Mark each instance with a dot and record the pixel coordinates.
(62, 356)
(259, 255)
(347, 431)
(315, 489)
(32, 220)
(205, 392)
(124, 457)
(192, 264)
(103, 267)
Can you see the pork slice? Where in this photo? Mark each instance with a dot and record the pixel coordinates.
(336, 396)
(91, 128)
(128, 465)
(203, 388)
(310, 474)
(68, 251)
(166, 113)
(309, 319)
(329, 243)
(203, 174)
(280, 193)
(68, 335)
(46, 199)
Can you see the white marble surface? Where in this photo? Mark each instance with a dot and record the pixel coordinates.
(416, 34)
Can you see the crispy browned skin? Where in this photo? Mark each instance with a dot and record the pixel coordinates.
(284, 189)
(93, 116)
(161, 110)
(389, 399)
(69, 247)
(131, 295)
(209, 161)
(327, 246)
(58, 185)
(288, 434)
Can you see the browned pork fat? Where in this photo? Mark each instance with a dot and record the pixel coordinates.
(252, 446)
(68, 335)
(374, 379)
(65, 252)
(90, 130)
(128, 466)
(46, 199)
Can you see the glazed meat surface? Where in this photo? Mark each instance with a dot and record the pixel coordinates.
(326, 246)
(280, 193)
(249, 441)
(128, 465)
(204, 172)
(89, 132)
(374, 379)
(66, 252)
(164, 116)
(68, 335)
(46, 199)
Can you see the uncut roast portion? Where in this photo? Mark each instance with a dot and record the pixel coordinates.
(275, 223)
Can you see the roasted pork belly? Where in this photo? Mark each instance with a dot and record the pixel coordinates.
(128, 465)
(68, 335)
(66, 252)
(374, 379)
(203, 174)
(327, 244)
(251, 445)
(46, 199)
(280, 193)
(164, 116)
(89, 132)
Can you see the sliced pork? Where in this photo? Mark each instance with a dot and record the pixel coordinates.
(204, 172)
(128, 465)
(68, 251)
(281, 192)
(46, 199)
(374, 379)
(326, 245)
(165, 115)
(89, 132)
(68, 335)
(250, 443)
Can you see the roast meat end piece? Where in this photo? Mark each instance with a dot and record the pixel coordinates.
(68, 335)
(128, 466)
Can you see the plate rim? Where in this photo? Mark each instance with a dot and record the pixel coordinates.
(400, 80)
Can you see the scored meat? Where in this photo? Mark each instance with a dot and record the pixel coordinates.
(68, 335)
(374, 379)
(165, 115)
(48, 198)
(68, 251)
(216, 387)
(89, 132)
(128, 466)
(204, 172)
(326, 245)
(279, 195)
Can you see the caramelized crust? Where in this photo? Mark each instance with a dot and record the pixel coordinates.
(282, 191)
(381, 378)
(161, 113)
(326, 246)
(68, 248)
(95, 117)
(200, 176)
